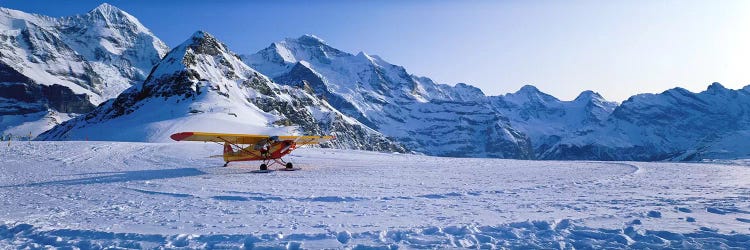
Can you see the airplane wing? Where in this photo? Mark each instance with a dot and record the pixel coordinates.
(306, 139)
(218, 137)
(247, 138)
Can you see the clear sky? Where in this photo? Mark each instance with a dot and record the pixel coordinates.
(616, 48)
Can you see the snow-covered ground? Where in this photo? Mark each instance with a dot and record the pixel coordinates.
(146, 195)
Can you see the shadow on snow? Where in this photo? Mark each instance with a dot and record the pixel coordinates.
(114, 177)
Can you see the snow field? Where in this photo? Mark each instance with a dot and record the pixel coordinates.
(94, 195)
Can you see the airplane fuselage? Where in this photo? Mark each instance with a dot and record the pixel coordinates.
(249, 147)
(253, 153)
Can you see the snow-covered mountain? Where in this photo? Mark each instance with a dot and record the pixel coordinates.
(427, 117)
(674, 125)
(116, 44)
(53, 68)
(460, 120)
(202, 86)
(547, 120)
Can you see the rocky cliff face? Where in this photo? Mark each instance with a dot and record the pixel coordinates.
(202, 86)
(427, 117)
(69, 65)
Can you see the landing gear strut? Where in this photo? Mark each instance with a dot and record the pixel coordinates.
(270, 162)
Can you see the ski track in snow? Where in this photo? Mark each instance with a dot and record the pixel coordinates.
(95, 195)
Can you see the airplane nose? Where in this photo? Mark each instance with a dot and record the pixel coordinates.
(181, 136)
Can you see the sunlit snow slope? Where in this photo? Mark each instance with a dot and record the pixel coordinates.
(137, 195)
(201, 85)
(410, 109)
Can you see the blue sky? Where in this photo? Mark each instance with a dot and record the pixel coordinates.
(616, 48)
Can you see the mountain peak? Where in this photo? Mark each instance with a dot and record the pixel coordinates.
(365, 56)
(308, 39)
(464, 85)
(204, 43)
(588, 95)
(714, 87)
(468, 87)
(528, 89)
(105, 7)
(200, 34)
(201, 38)
(106, 10)
(676, 91)
(111, 15)
(529, 92)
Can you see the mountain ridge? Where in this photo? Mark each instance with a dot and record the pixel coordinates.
(554, 127)
(118, 64)
(200, 85)
(387, 98)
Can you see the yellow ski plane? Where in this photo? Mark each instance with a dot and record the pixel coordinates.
(245, 147)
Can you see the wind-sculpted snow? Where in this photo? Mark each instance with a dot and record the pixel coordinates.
(563, 234)
(94, 195)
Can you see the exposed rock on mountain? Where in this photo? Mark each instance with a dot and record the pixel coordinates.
(202, 86)
(115, 43)
(547, 120)
(439, 119)
(68, 65)
(53, 69)
(427, 117)
(674, 125)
